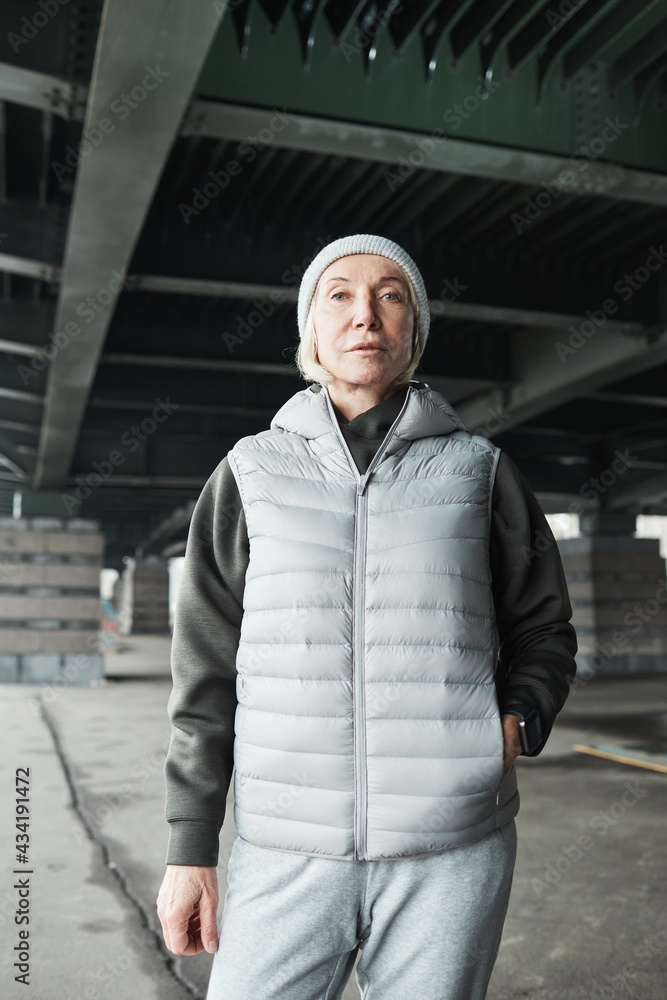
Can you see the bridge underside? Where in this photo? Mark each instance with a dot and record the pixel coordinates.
(165, 182)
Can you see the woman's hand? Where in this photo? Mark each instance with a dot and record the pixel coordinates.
(187, 906)
(511, 739)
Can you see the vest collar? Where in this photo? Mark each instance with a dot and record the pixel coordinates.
(426, 414)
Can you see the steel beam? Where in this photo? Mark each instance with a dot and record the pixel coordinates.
(27, 350)
(168, 527)
(634, 398)
(438, 308)
(63, 97)
(149, 57)
(11, 457)
(542, 381)
(645, 491)
(223, 120)
(202, 286)
(29, 268)
(472, 311)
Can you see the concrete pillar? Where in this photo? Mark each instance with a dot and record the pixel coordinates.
(50, 600)
(122, 599)
(148, 585)
(619, 596)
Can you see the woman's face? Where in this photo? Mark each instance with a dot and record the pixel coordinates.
(363, 320)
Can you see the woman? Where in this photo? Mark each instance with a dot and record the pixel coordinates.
(360, 632)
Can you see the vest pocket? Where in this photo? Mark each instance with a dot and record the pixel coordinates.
(499, 773)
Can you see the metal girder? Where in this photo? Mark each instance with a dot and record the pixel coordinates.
(148, 60)
(342, 15)
(32, 226)
(516, 17)
(651, 47)
(10, 456)
(539, 29)
(634, 398)
(63, 97)
(543, 381)
(644, 81)
(197, 286)
(172, 523)
(408, 20)
(476, 24)
(205, 364)
(306, 13)
(450, 386)
(174, 549)
(615, 23)
(13, 347)
(438, 307)
(203, 408)
(653, 489)
(434, 30)
(242, 290)
(223, 120)
(578, 25)
(29, 268)
(20, 396)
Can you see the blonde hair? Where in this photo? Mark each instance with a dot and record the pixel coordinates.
(312, 371)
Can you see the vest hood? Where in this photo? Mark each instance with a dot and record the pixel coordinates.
(427, 414)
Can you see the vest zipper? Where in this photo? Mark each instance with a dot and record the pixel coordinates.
(358, 590)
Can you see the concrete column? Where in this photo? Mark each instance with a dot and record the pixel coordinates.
(149, 589)
(619, 596)
(122, 599)
(50, 600)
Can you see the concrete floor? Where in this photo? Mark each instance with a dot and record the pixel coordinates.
(587, 918)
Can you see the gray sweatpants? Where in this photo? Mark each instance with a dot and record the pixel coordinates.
(429, 928)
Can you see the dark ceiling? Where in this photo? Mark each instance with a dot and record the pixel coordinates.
(165, 181)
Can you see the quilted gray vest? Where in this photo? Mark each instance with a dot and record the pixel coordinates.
(368, 724)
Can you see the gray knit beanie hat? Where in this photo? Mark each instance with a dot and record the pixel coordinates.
(363, 243)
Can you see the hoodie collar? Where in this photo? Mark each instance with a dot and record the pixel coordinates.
(427, 413)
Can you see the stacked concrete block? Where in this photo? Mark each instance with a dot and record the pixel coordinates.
(49, 600)
(618, 593)
(149, 587)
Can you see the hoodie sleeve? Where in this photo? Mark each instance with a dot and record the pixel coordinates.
(537, 641)
(202, 704)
